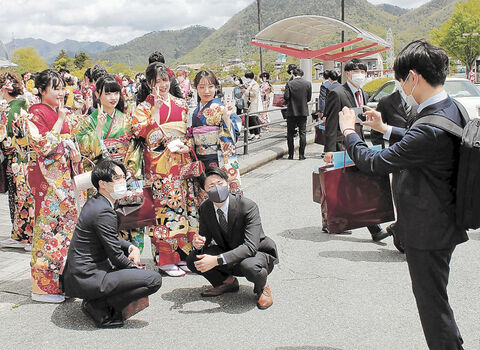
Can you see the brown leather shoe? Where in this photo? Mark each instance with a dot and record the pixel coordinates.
(265, 300)
(221, 289)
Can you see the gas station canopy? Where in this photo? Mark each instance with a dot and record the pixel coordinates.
(294, 35)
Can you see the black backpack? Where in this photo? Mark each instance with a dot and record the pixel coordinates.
(468, 172)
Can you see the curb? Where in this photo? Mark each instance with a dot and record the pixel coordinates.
(257, 160)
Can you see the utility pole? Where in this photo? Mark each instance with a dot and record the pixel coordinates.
(343, 39)
(259, 29)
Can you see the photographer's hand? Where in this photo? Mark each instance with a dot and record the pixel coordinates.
(374, 120)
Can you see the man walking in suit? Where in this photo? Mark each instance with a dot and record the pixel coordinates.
(231, 242)
(102, 268)
(298, 92)
(426, 159)
(349, 95)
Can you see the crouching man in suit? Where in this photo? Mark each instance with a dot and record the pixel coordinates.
(103, 269)
(231, 242)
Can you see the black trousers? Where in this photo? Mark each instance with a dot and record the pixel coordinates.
(301, 124)
(255, 269)
(429, 271)
(121, 287)
(253, 121)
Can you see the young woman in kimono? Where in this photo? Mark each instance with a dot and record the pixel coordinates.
(15, 151)
(107, 132)
(160, 122)
(50, 172)
(214, 130)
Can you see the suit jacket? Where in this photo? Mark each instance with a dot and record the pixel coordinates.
(393, 112)
(298, 92)
(426, 160)
(95, 249)
(245, 235)
(338, 98)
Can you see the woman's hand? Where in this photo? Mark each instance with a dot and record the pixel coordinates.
(75, 155)
(226, 114)
(183, 149)
(158, 99)
(101, 120)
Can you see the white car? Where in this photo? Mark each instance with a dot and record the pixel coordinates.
(461, 89)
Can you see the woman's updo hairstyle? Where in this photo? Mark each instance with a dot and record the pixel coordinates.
(46, 78)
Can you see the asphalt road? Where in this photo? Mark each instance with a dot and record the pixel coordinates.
(330, 292)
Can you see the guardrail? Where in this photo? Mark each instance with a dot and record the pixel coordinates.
(246, 129)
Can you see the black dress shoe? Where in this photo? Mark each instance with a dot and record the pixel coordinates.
(324, 229)
(102, 315)
(396, 241)
(114, 321)
(221, 289)
(378, 236)
(290, 157)
(301, 158)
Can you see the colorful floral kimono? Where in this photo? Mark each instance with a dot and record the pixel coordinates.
(50, 180)
(118, 141)
(214, 142)
(174, 197)
(15, 148)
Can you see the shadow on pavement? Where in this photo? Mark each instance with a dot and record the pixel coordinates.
(69, 315)
(16, 292)
(382, 255)
(306, 347)
(315, 234)
(231, 303)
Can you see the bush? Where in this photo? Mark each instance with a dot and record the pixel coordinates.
(374, 85)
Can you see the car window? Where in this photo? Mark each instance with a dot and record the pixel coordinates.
(386, 90)
(461, 88)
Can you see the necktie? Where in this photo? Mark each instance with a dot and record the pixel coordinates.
(357, 95)
(222, 221)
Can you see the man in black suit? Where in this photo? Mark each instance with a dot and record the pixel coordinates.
(426, 159)
(395, 112)
(102, 268)
(298, 92)
(231, 242)
(350, 95)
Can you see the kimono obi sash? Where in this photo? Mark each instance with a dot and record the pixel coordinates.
(205, 139)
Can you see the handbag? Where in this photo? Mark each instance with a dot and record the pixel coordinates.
(320, 133)
(138, 216)
(278, 100)
(192, 169)
(351, 199)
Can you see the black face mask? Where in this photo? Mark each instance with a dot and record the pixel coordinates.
(218, 194)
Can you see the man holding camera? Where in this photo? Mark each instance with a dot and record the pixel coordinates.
(349, 95)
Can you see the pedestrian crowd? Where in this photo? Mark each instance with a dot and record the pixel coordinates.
(140, 149)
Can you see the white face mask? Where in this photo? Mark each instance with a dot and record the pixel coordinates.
(248, 80)
(410, 100)
(358, 79)
(125, 83)
(119, 191)
(237, 82)
(180, 79)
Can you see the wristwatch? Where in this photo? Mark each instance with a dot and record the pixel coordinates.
(220, 260)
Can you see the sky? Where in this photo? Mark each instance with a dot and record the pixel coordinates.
(118, 21)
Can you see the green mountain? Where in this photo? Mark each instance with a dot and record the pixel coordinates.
(49, 51)
(392, 9)
(221, 45)
(171, 43)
